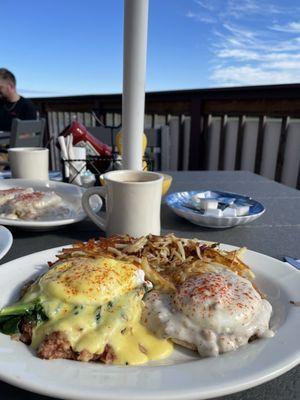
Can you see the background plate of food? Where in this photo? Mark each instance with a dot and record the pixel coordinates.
(182, 374)
(41, 205)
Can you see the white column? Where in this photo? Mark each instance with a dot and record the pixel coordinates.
(134, 72)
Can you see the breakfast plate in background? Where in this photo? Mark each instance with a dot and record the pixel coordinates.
(71, 197)
(181, 376)
(6, 241)
(185, 205)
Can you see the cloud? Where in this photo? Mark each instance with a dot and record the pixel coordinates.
(39, 92)
(238, 9)
(251, 42)
(240, 32)
(206, 4)
(238, 54)
(291, 27)
(201, 17)
(35, 91)
(247, 55)
(249, 75)
(251, 58)
(286, 66)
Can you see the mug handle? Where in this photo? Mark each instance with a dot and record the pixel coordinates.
(101, 192)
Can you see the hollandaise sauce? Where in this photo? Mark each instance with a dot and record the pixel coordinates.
(95, 303)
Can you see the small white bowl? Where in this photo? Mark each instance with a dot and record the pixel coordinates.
(180, 203)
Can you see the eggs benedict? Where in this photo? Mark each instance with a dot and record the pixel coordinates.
(86, 309)
(94, 303)
(203, 297)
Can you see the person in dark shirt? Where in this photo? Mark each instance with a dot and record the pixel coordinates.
(12, 105)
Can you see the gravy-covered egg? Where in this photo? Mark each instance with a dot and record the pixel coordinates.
(213, 313)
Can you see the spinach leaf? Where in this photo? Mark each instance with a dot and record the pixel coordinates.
(11, 316)
(10, 326)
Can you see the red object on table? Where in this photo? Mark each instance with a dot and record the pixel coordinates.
(82, 137)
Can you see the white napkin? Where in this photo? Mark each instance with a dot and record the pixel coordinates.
(74, 173)
(64, 155)
(69, 152)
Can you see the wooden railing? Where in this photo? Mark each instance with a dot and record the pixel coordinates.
(258, 101)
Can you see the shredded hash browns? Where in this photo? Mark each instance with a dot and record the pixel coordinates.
(166, 260)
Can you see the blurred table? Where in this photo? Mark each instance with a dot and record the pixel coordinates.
(276, 233)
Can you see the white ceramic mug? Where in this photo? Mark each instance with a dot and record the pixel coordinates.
(29, 162)
(133, 200)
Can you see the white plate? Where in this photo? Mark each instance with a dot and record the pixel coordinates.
(183, 375)
(70, 193)
(6, 241)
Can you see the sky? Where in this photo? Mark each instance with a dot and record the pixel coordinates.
(69, 47)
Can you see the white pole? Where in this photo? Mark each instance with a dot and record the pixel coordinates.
(134, 71)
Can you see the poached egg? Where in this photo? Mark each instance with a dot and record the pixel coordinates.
(95, 303)
(212, 312)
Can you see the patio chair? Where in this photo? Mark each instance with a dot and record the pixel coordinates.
(176, 143)
(158, 147)
(24, 133)
(103, 133)
(27, 133)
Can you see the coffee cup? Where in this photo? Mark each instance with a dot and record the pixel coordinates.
(29, 162)
(133, 201)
